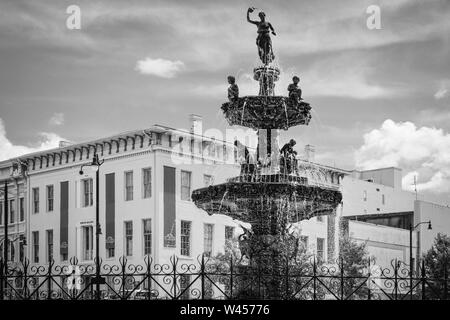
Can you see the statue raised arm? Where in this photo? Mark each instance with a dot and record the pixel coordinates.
(250, 10)
(263, 41)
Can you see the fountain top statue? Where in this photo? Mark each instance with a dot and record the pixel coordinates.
(263, 41)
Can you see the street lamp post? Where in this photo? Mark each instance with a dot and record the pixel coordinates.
(411, 229)
(98, 279)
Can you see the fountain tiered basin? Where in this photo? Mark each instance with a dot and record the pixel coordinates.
(306, 193)
(267, 112)
(275, 190)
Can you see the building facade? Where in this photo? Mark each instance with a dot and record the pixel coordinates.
(13, 177)
(145, 207)
(378, 211)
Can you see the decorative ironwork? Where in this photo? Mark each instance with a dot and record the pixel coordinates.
(213, 278)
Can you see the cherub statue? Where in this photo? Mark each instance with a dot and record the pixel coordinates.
(288, 157)
(263, 40)
(295, 92)
(233, 89)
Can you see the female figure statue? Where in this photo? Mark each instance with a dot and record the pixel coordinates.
(263, 40)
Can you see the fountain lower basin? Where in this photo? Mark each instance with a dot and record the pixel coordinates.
(295, 199)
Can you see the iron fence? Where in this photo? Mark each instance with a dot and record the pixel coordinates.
(210, 278)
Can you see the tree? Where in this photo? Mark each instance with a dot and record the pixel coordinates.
(437, 265)
(353, 261)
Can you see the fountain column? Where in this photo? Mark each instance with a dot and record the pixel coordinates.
(268, 138)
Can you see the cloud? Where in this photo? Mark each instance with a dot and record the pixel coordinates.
(159, 67)
(57, 119)
(443, 90)
(9, 150)
(422, 152)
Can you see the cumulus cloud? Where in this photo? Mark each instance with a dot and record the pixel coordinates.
(57, 119)
(9, 150)
(443, 91)
(159, 67)
(422, 152)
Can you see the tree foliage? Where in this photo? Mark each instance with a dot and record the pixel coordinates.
(437, 259)
(354, 262)
(437, 266)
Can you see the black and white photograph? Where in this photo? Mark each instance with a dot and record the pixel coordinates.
(215, 158)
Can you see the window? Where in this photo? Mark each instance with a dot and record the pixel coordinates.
(12, 251)
(88, 243)
(12, 211)
(49, 198)
(22, 209)
(49, 245)
(88, 193)
(147, 182)
(365, 195)
(208, 230)
(110, 252)
(147, 229)
(158, 138)
(185, 185)
(64, 256)
(383, 199)
(212, 149)
(185, 238)
(21, 248)
(128, 238)
(229, 233)
(191, 145)
(320, 249)
(129, 186)
(185, 281)
(208, 180)
(304, 242)
(35, 200)
(35, 236)
(225, 153)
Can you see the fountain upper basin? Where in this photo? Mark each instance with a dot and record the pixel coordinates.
(267, 112)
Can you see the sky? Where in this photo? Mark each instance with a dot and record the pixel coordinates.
(380, 97)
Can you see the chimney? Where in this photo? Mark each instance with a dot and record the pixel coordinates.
(310, 152)
(196, 124)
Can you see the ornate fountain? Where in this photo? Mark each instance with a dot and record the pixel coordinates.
(268, 195)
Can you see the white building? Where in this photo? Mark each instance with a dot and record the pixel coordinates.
(145, 205)
(379, 212)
